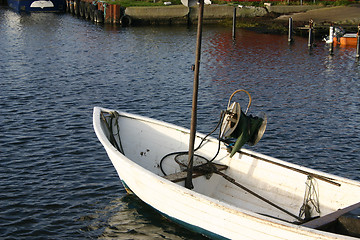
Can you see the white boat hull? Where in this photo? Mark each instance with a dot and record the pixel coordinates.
(216, 207)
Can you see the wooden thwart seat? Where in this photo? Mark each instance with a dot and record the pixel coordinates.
(320, 222)
(181, 176)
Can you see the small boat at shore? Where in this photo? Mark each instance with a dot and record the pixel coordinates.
(339, 37)
(246, 196)
(37, 5)
(348, 39)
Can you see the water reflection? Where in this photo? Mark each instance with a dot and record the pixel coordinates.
(130, 218)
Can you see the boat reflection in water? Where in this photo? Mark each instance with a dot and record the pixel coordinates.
(129, 218)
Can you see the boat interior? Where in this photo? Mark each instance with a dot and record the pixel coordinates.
(248, 180)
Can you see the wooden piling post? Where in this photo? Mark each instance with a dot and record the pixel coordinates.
(290, 36)
(234, 24)
(358, 44)
(310, 40)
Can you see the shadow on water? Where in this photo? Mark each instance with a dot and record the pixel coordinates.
(130, 218)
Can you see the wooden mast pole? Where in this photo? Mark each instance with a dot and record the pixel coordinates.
(188, 180)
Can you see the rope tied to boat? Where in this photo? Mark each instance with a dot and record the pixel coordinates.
(185, 153)
(113, 115)
(202, 165)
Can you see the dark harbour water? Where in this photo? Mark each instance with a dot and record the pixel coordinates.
(56, 180)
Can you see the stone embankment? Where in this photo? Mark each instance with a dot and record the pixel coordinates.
(173, 14)
(269, 17)
(179, 14)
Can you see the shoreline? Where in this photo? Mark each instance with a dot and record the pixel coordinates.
(268, 19)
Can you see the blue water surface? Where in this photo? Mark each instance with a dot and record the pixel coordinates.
(56, 179)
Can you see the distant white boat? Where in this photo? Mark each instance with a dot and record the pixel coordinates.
(37, 5)
(247, 196)
(42, 4)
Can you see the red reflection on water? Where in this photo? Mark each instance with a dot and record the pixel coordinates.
(262, 56)
(254, 47)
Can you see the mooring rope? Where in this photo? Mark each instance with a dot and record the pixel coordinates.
(113, 115)
(199, 146)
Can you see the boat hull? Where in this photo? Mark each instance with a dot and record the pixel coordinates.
(349, 39)
(215, 207)
(37, 6)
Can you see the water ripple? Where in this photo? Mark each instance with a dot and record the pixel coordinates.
(57, 181)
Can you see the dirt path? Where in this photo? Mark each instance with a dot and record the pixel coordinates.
(341, 15)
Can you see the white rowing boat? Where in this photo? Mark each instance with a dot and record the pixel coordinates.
(220, 189)
(247, 196)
